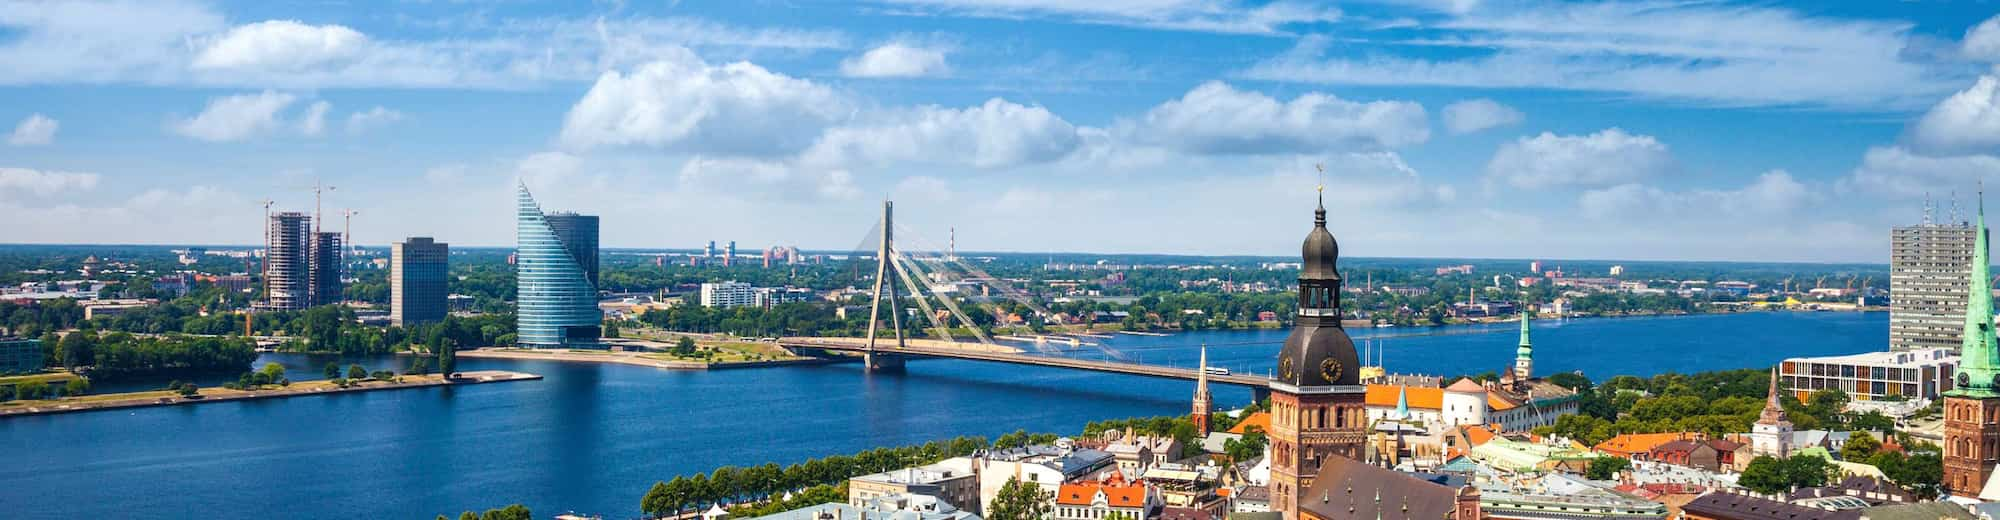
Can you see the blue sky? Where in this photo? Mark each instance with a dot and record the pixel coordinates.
(1448, 128)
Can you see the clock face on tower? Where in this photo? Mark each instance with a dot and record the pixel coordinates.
(1285, 368)
(1330, 369)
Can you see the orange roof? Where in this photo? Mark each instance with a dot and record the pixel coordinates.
(1222, 491)
(1262, 420)
(1627, 444)
(1495, 403)
(1476, 434)
(1085, 493)
(1421, 398)
(1467, 385)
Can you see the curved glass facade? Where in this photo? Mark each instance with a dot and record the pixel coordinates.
(556, 301)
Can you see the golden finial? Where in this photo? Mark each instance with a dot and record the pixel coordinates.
(1322, 176)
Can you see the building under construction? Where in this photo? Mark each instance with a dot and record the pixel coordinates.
(287, 267)
(1928, 266)
(325, 268)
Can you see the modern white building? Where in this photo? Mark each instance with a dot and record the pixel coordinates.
(1917, 374)
(727, 294)
(1928, 266)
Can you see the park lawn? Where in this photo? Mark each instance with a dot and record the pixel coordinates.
(53, 378)
(214, 391)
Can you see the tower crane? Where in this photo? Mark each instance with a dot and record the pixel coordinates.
(347, 232)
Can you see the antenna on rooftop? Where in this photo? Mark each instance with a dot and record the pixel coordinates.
(1927, 208)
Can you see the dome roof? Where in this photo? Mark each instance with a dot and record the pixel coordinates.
(1318, 356)
(1320, 251)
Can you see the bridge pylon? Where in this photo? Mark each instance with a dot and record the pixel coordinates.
(874, 359)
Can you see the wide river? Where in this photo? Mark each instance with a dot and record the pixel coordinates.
(592, 438)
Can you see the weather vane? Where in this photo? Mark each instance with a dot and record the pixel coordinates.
(1322, 176)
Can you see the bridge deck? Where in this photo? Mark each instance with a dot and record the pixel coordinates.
(988, 354)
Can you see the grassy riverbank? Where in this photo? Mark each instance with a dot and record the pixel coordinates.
(218, 394)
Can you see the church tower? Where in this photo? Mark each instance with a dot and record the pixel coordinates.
(1524, 356)
(1202, 403)
(1772, 433)
(1317, 398)
(1972, 408)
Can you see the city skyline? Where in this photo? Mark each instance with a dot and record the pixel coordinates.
(1449, 129)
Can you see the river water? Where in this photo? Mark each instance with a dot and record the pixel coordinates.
(592, 438)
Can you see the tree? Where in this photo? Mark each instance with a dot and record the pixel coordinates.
(79, 349)
(356, 372)
(1250, 446)
(511, 512)
(1606, 467)
(611, 329)
(76, 387)
(468, 515)
(447, 353)
(1860, 447)
(332, 370)
(31, 390)
(189, 390)
(272, 372)
(684, 346)
(1019, 500)
(1764, 475)
(419, 365)
(1806, 471)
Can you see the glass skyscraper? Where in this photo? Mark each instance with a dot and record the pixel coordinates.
(556, 264)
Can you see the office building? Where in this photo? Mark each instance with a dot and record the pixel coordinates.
(729, 254)
(1920, 374)
(286, 262)
(727, 294)
(556, 298)
(578, 234)
(324, 268)
(20, 356)
(768, 297)
(1928, 265)
(417, 286)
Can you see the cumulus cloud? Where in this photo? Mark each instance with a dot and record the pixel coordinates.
(359, 122)
(1605, 158)
(281, 44)
(43, 183)
(35, 130)
(995, 134)
(1982, 42)
(1217, 118)
(1473, 115)
(897, 60)
(314, 121)
(1967, 121)
(1773, 193)
(1896, 171)
(682, 101)
(235, 118)
(790, 180)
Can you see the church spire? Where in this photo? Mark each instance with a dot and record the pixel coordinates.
(1202, 402)
(1979, 350)
(1773, 412)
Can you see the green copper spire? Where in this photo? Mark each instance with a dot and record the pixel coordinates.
(1527, 350)
(1979, 352)
(1402, 403)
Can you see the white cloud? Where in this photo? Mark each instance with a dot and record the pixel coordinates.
(235, 118)
(1699, 51)
(43, 183)
(35, 130)
(1982, 42)
(1967, 121)
(995, 134)
(790, 180)
(682, 101)
(1604, 158)
(897, 60)
(1473, 115)
(314, 121)
(281, 45)
(1775, 193)
(1219, 119)
(1221, 16)
(359, 122)
(1895, 171)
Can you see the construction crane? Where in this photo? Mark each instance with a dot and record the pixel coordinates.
(1821, 283)
(317, 189)
(347, 232)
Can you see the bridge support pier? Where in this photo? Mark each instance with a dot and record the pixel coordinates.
(1259, 393)
(881, 362)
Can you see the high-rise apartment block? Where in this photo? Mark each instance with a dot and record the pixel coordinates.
(417, 283)
(556, 299)
(727, 294)
(287, 268)
(1928, 266)
(325, 266)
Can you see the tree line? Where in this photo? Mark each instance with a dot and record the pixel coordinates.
(733, 485)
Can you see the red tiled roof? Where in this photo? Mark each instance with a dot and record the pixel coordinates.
(1262, 420)
(1085, 493)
